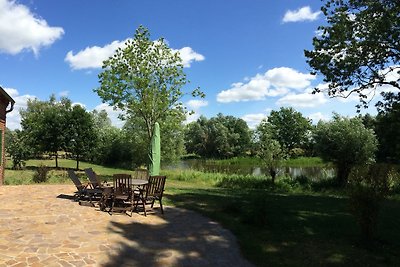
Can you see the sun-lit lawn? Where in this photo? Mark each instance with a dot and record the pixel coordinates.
(55, 175)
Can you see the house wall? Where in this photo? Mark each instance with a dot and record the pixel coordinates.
(3, 158)
(3, 106)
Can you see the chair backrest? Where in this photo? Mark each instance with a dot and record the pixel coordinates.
(155, 187)
(122, 184)
(75, 179)
(142, 174)
(93, 178)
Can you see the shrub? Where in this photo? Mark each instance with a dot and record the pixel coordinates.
(368, 187)
(345, 142)
(40, 176)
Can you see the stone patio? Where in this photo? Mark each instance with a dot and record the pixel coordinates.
(40, 225)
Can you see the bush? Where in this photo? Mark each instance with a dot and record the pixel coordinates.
(368, 187)
(40, 175)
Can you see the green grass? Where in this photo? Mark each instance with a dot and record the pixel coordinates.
(56, 176)
(254, 161)
(305, 162)
(288, 224)
(293, 229)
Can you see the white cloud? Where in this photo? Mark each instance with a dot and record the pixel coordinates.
(301, 14)
(14, 118)
(192, 117)
(253, 120)
(195, 106)
(112, 114)
(274, 82)
(20, 29)
(188, 56)
(255, 89)
(92, 57)
(318, 116)
(303, 100)
(288, 77)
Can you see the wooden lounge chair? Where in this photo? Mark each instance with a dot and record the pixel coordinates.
(154, 191)
(83, 191)
(95, 182)
(122, 197)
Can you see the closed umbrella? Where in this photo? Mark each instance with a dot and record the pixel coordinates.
(155, 151)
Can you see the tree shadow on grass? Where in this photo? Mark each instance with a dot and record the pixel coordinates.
(179, 238)
(295, 229)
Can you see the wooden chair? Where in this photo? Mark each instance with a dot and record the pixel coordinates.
(154, 191)
(95, 182)
(83, 190)
(142, 174)
(122, 197)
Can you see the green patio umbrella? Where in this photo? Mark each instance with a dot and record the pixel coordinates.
(155, 151)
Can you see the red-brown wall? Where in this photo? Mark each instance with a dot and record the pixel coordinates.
(3, 106)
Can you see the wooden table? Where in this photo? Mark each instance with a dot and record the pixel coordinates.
(108, 191)
(139, 182)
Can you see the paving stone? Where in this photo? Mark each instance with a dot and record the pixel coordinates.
(48, 229)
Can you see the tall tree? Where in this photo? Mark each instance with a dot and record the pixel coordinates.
(17, 148)
(101, 119)
(345, 142)
(387, 128)
(359, 49)
(219, 137)
(172, 139)
(82, 136)
(197, 137)
(268, 149)
(289, 128)
(145, 79)
(44, 123)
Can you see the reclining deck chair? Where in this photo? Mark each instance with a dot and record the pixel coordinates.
(95, 182)
(83, 190)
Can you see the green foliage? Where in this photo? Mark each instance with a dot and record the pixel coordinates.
(172, 139)
(45, 125)
(268, 149)
(100, 119)
(115, 149)
(388, 129)
(358, 48)
(144, 79)
(40, 176)
(368, 187)
(219, 137)
(345, 142)
(82, 135)
(52, 126)
(17, 147)
(289, 128)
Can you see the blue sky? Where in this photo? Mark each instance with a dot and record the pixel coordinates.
(247, 56)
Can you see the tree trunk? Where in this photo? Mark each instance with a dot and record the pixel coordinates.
(343, 172)
(56, 160)
(77, 162)
(272, 172)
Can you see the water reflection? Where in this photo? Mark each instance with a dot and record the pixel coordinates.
(312, 173)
